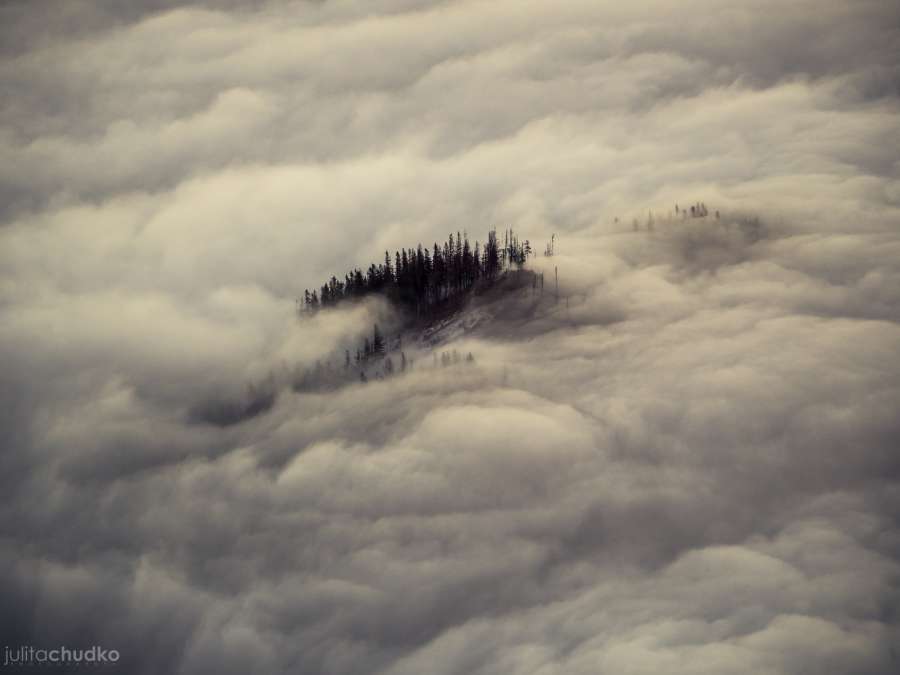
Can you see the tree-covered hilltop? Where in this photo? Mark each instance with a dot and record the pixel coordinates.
(422, 279)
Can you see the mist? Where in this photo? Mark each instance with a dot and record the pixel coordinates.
(680, 457)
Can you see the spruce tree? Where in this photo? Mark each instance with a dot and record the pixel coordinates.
(377, 341)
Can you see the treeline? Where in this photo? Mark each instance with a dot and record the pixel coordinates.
(421, 278)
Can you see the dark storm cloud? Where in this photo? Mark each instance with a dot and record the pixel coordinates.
(683, 460)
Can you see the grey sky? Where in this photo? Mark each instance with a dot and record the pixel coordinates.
(692, 467)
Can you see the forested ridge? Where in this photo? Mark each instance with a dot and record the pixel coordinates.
(422, 279)
(432, 284)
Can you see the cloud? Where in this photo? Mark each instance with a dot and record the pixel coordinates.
(678, 454)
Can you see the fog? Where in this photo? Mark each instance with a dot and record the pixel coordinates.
(684, 459)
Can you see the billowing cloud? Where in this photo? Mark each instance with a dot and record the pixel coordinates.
(679, 454)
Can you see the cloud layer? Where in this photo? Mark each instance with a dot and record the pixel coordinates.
(685, 461)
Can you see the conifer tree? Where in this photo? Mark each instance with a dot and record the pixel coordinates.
(492, 256)
(377, 341)
(388, 272)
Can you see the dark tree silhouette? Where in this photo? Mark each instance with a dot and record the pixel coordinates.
(422, 279)
(377, 341)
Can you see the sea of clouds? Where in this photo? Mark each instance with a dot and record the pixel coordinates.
(688, 463)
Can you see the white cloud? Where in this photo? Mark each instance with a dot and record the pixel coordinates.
(686, 463)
